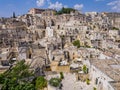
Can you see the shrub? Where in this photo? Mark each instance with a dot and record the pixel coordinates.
(114, 28)
(76, 43)
(87, 81)
(84, 68)
(41, 82)
(94, 88)
(61, 75)
(55, 82)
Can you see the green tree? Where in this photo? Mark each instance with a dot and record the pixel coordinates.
(25, 86)
(76, 43)
(41, 82)
(20, 70)
(14, 15)
(1, 78)
(14, 78)
(65, 11)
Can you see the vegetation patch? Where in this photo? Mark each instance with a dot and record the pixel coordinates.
(17, 78)
(76, 43)
(114, 28)
(41, 82)
(94, 88)
(61, 75)
(55, 82)
(87, 81)
(65, 11)
(85, 70)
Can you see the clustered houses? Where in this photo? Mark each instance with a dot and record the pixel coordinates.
(87, 45)
(115, 19)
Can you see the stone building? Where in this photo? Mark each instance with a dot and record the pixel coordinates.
(115, 19)
(49, 16)
(34, 11)
(104, 74)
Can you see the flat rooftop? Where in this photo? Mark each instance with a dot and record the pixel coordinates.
(116, 85)
(108, 67)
